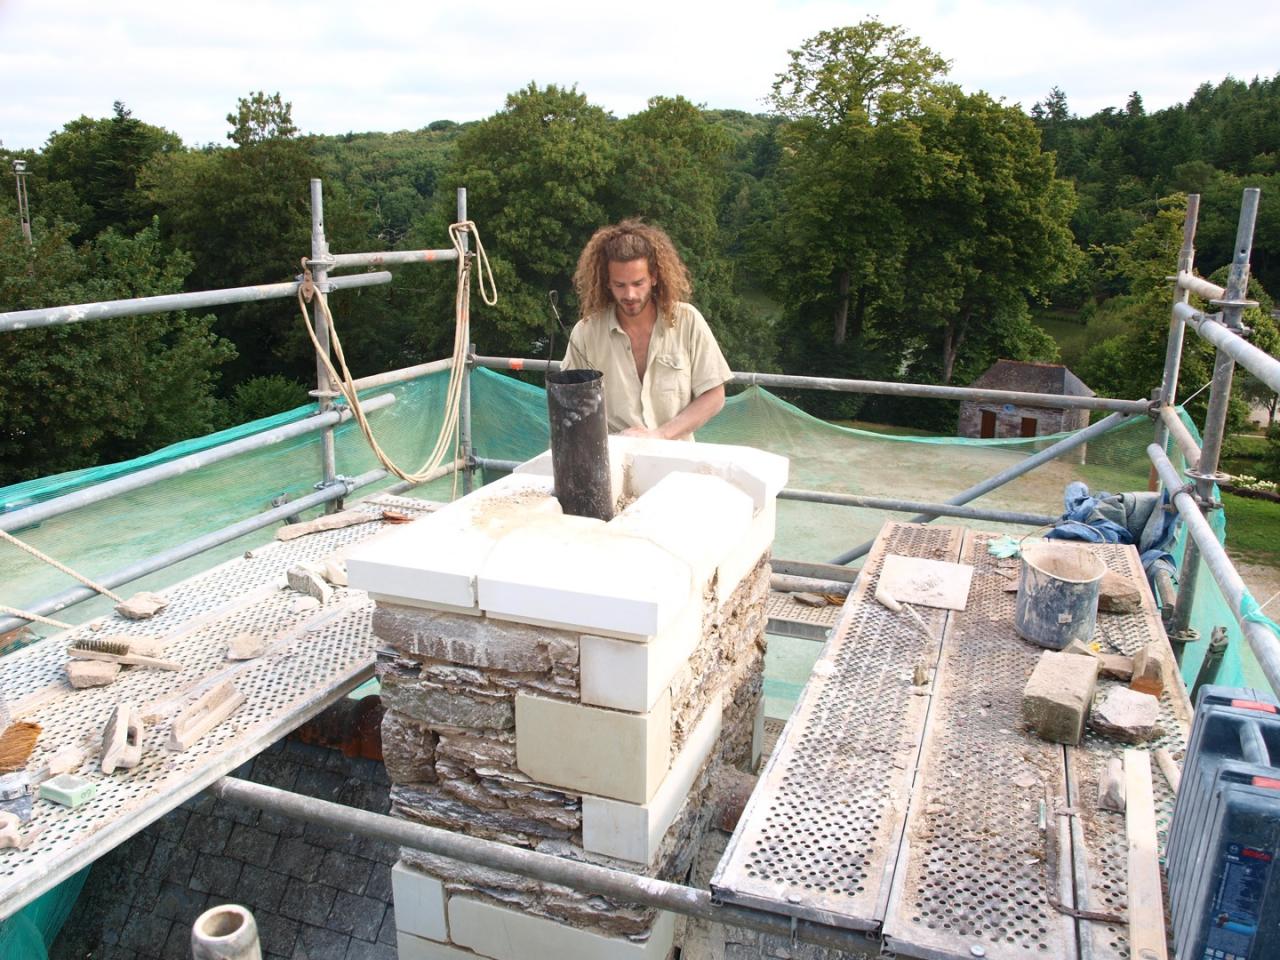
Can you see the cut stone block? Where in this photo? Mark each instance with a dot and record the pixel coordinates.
(309, 582)
(634, 832)
(1116, 666)
(583, 749)
(68, 790)
(1148, 671)
(698, 518)
(579, 575)
(1124, 714)
(1056, 700)
(91, 673)
(1118, 594)
(473, 641)
(505, 934)
(541, 466)
(629, 675)
(409, 947)
(757, 473)
(743, 556)
(435, 559)
(419, 903)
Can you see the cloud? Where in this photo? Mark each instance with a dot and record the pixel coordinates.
(401, 64)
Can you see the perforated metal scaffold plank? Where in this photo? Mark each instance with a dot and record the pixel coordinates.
(790, 618)
(1101, 852)
(974, 876)
(819, 837)
(314, 656)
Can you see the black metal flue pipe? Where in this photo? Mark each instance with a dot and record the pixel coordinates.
(580, 443)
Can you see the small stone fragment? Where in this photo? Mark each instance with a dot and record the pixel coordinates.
(1081, 650)
(1124, 714)
(331, 521)
(305, 605)
(143, 646)
(1116, 666)
(142, 606)
(1118, 594)
(1111, 786)
(308, 581)
(91, 673)
(1056, 700)
(335, 571)
(809, 599)
(246, 646)
(1148, 671)
(921, 675)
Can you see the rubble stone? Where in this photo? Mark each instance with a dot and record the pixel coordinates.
(142, 606)
(307, 581)
(1118, 594)
(91, 673)
(1125, 714)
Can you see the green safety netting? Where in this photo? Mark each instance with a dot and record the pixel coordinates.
(508, 421)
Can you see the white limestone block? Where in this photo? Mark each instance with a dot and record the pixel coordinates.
(505, 934)
(742, 558)
(588, 750)
(757, 473)
(409, 947)
(631, 675)
(434, 559)
(575, 573)
(419, 902)
(697, 517)
(632, 831)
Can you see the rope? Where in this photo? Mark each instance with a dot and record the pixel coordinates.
(457, 371)
(58, 566)
(34, 617)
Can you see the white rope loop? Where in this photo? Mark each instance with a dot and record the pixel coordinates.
(345, 383)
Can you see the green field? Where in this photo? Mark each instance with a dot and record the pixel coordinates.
(1075, 338)
(1253, 529)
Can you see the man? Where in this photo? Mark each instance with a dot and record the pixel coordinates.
(664, 374)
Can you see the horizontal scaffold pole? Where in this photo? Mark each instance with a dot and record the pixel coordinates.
(918, 506)
(1258, 362)
(342, 488)
(1012, 473)
(1052, 401)
(385, 258)
(1265, 645)
(140, 306)
(574, 874)
(39, 512)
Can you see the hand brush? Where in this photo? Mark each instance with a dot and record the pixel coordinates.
(115, 652)
(16, 743)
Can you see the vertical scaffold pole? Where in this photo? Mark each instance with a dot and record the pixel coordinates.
(1205, 475)
(1173, 349)
(464, 412)
(324, 386)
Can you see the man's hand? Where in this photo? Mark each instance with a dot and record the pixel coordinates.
(698, 412)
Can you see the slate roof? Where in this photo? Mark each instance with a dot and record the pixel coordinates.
(315, 893)
(1032, 378)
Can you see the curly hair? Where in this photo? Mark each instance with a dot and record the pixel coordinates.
(631, 240)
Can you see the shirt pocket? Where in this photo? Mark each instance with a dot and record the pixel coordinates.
(673, 376)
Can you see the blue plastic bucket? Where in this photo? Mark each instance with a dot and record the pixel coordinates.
(1057, 593)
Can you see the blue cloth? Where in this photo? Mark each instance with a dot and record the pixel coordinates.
(1143, 519)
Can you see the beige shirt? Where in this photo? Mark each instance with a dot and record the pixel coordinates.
(684, 362)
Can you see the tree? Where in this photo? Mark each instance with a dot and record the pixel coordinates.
(259, 118)
(872, 68)
(87, 173)
(535, 174)
(81, 394)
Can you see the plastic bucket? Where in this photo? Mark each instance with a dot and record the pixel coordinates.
(1057, 594)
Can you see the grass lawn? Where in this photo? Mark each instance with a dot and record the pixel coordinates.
(1253, 529)
(886, 428)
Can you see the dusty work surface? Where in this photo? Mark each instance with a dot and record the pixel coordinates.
(314, 656)
(926, 815)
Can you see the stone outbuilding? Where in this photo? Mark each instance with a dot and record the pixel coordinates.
(989, 420)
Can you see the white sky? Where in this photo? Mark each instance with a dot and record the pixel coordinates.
(395, 64)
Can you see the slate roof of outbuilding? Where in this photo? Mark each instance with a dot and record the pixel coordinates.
(1033, 378)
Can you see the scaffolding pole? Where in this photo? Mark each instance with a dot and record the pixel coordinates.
(140, 306)
(320, 321)
(344, 486)
(1012, 473)
(1206, 473)
(39, 512)
(1173, 346)
(576, 875)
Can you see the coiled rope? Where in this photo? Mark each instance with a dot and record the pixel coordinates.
(457, 370)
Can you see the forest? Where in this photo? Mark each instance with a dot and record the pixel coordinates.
(876, 222)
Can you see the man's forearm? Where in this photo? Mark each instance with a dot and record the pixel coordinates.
(702, 408)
